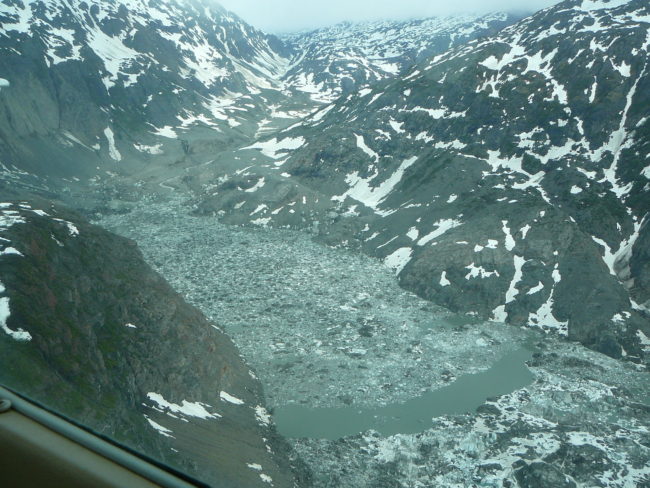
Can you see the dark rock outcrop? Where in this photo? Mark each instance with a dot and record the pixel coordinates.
(539, 475)
(506, 178)
(94, 333)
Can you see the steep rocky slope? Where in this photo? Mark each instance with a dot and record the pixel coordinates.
(91, 91)
(116, 84)
(90, 330)
(507, 178)
(348, 57)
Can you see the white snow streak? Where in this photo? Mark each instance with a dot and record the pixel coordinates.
(513, 291)
(18, 335)
(361, 144)
(361, 190)
(186, 408)
(443, 226)
(161, 430)
(399, 259)
(226, 397)
(510, 241)
(112, 149)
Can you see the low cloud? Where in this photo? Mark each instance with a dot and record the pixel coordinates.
(292, 15)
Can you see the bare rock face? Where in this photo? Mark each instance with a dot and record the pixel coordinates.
(117, 85)
(90, 330)
(542, 474)
(506, 178)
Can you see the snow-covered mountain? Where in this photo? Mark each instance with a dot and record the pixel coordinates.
(501, 172)
(114, 83)
(94, 89)
(507, 178)
(348, 57)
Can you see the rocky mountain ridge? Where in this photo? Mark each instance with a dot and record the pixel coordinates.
(144, 87)
(350, 57)
(506, 178)
(121, 84)
(91, 331)
(131, 91)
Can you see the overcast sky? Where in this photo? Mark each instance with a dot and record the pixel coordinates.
(276, 16)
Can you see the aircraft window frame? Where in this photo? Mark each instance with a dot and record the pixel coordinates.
(108, 449)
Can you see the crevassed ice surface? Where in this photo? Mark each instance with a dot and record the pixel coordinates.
(324, 327)
(329, 328)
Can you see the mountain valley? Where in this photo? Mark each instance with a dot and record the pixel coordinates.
(370, 212)
(331, 331)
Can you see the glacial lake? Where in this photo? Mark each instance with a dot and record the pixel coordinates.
(339, 347)
(462, 396)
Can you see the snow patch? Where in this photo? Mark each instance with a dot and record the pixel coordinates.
(10, 250)
(257, 186)
(510, 241)
(72, 229)
(226, 397)
(399, 259)
(643, 339)
(443, 226)
(161, 430)
(537, 288)
(397, 126)
(167, 131)
(608, 257)
(361, 144)
(479, 272)
(413, 233)
(361, 190)
(112, 149)
(190, 409)
(512, 290)
(276, 149)
(443, 279)
(262, 415)
(153, 150)
(262, 222)
(544, 317)
(499, 314)
(18, 335)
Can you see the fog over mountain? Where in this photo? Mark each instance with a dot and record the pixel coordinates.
(279, 16)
